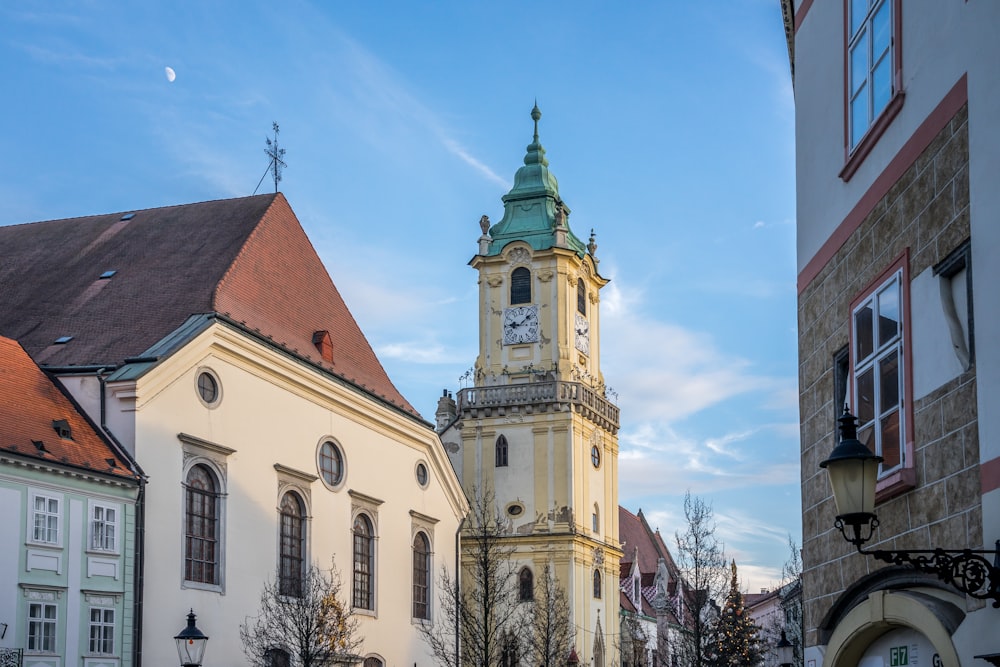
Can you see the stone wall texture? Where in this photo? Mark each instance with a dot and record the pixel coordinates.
(926, 212)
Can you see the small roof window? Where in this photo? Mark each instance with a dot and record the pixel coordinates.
(107, 274)
(128, 216)
(62, 340)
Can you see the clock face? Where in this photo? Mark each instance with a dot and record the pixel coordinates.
(520, 325)
(582, 334)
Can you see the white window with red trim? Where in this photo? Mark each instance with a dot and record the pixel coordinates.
(878, 371)
(870, 60)
(873, 75)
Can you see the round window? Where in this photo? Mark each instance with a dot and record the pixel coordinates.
(595, 456)
(209, 389)
(515, 510)
(422, 474)
(331, 463)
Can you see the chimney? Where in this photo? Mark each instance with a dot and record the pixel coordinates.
(446, 411)
(324, 343)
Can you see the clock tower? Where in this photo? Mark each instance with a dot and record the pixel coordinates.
(535, 426)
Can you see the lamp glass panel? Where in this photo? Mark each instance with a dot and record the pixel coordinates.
(191, 651)
(853, 483)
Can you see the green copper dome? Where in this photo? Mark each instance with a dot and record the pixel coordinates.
(533, 211)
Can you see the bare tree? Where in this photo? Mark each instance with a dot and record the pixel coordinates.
(315, 626)
(704, 576)
(551, 630)
(484, 612)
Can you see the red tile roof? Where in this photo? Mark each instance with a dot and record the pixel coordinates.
(29, 404)
(246, 258)
(634, 532)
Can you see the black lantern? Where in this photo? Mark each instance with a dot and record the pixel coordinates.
(191, 643)
(786, 651)
(853, 472)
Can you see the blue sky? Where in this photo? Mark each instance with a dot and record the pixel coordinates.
(668, 124)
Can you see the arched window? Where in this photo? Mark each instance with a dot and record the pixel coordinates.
(597, 584)
(372, 661)
(636, 592)
(201, 520)
(508, 651)
(520, 286)
(276, 657)
(581, 296)
(501, 451)
(421, 577)
(526, 585)
(293, 545)
(364, 563)
(596, 518)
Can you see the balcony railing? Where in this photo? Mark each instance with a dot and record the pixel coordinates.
(539, 397)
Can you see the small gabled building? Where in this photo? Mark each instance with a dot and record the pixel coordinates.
(651, 594)
(67, 569)
(211, 341)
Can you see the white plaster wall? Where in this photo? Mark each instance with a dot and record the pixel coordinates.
(937, 49)
(984, 166)
(934, 358)
(269, 420)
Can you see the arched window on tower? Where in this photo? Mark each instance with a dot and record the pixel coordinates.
(597, 584)
(526, 585)
(520, 286)
(581, 296)
(501, 452)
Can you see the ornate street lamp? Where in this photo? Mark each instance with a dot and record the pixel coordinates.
(786, 651)
(853, 470)
(191, 643)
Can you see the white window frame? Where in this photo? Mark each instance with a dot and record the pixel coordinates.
(862, 91)
(99, 538)
(101, 624)
(33, 514)
(880, 352)
(48, 643)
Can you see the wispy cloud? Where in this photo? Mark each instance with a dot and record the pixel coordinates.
(68, 57)
(384, 93)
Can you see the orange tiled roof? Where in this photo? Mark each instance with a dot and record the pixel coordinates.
(29, 404)
(247, 258)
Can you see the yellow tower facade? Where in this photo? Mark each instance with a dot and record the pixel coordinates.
(535, 427)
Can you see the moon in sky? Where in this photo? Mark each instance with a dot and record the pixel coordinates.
(171, 75)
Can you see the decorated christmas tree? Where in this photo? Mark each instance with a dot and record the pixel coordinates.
(738, 639)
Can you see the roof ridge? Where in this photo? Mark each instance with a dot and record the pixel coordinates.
(131, 210)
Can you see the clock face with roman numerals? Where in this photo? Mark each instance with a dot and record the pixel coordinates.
(582, 334)
(520, 325)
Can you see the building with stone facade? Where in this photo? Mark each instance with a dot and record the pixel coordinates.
(209, 340)
(536, 428)
(897, 154)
